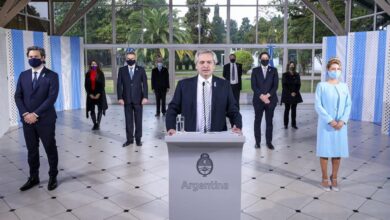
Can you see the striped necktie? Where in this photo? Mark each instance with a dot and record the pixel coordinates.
(206, 122)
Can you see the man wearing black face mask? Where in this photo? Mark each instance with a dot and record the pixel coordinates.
(35, 95)
(264, 81)
(232, 72)
(132, 91)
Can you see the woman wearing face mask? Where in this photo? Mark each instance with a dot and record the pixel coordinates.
(333, 106)
(96, 95)
(291, 83)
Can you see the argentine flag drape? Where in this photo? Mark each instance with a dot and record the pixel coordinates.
(64, 55)
(271, 54)
(363, 61)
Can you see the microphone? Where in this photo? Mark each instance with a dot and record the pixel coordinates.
(204, 109)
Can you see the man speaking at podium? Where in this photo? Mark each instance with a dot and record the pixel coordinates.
(204, 100)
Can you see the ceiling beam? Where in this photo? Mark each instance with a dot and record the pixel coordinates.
(70, 14)
(384, 5)
(323, 18)
(10, 9)
(332, 17)
(74, 15)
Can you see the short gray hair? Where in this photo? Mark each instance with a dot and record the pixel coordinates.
(199, 52)
(40, 49)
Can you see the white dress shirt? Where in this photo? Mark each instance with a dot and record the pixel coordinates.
(265, 68)
(38, 72)
(199, 100)
(131, 68)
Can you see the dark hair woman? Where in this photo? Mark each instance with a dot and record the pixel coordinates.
(96, 95)
(291, 83)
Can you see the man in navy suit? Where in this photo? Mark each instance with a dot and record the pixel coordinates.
(264, 82)
(204, 100)
(36, 93)
(232, 72)
(132, 90)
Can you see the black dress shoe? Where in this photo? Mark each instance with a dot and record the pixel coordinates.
(270, 146)
(95, 127)
(295, 127)
(127, 143)
(257, 145)
(285, 127)
(31, 182)
(52, 184)
(138, 143)
(157, 115)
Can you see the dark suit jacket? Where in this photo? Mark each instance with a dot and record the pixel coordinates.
(226, 72)
(132, 90)
(160, 80)
(184, 103)
(40, 100)
(264, 86)
(100, 84)
(290, 84)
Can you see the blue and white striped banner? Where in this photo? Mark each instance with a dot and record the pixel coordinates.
(367, 61)
(363, 58)
(66, 59)
(386, 86)
(64, 55)
(334, 47)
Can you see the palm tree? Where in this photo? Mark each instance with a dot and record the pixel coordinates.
(151, 26)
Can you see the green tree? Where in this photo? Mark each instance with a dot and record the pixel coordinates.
(153, 25)
(245, 58)
(300, 24)
(191, 20)
(270, 31)
(218, 27)
(245, 31)
(99, 27)
(234, 37)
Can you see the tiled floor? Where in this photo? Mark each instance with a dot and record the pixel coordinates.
(101, 180)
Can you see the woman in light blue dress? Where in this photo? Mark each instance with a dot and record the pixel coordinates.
(333, 106)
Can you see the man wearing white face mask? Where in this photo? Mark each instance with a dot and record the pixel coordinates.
(160, 85)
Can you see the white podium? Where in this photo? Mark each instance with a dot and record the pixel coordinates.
(205, 175)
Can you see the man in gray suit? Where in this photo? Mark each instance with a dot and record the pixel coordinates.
(132, 91)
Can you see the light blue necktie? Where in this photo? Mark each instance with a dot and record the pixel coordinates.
(131, 73)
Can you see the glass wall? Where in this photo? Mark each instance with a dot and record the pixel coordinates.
(155, 27)
(103, 58)
(33, 17)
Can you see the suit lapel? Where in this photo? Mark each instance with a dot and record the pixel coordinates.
(194, 92)
(268, 73)
(30, 78)
(261, 73)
